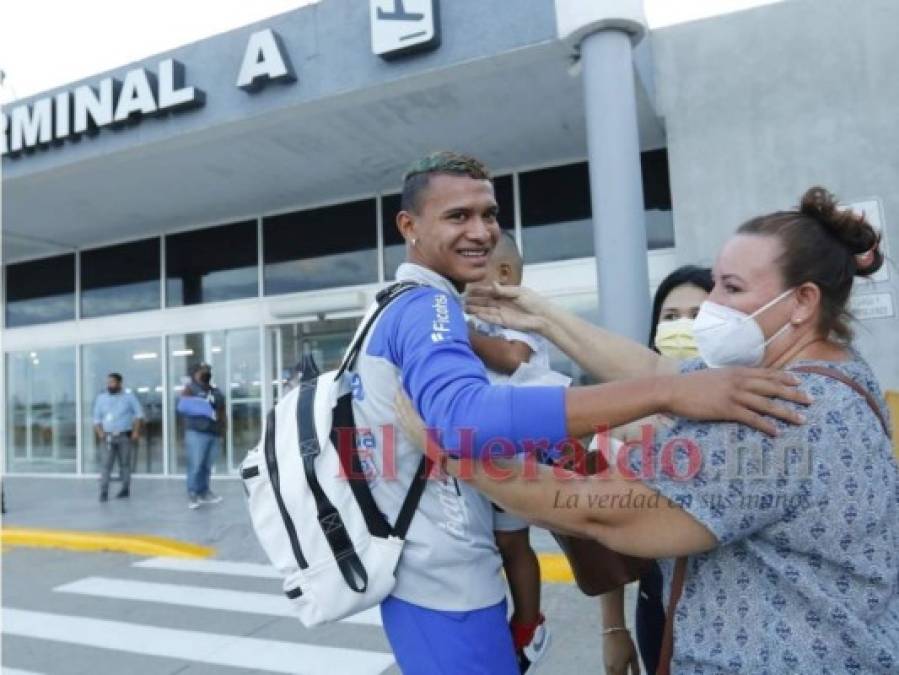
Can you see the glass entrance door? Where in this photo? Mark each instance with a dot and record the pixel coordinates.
(41, 411)
(286, 344)
(234, 358)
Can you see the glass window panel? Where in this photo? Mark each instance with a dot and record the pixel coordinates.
(40, 411)
(243, 363)
(213, 264)
(325, 340)
(121, 278)
(659, 229)
(394, 244)
(657, 199)
(236, 370)
(40, 291)
(140, 364)
(556, 213)
(505, 198)
(321, 248)
(246, 429)
(244, 393)
(656, 182)
(395, 247)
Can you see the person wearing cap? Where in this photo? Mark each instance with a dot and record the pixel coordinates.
(202, 406)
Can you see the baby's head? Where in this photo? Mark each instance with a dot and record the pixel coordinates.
(506, 266)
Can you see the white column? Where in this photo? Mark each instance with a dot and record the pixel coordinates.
(603, 33)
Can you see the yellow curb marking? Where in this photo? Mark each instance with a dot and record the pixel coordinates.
(135, 544)
(554, 568)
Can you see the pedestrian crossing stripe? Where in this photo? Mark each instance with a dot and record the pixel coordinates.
(554, 567)
(195, 646)
(198, 646)
(199, 597)
(210, 566)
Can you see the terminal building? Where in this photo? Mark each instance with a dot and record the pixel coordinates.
(233, 200)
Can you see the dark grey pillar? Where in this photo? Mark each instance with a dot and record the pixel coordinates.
(616, 184)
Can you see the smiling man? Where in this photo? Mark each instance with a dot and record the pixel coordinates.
(447, 613)
(449, 216)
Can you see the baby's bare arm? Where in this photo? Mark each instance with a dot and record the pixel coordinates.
(498, 354)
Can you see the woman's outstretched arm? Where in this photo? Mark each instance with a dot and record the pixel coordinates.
(601, 353)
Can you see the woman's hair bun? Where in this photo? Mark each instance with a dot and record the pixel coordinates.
(852, 230)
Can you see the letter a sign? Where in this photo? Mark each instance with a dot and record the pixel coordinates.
(400, 27)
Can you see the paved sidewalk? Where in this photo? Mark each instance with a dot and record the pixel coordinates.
(157, 506)
(81, 593)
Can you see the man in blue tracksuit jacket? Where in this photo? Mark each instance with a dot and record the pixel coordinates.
(447, 613)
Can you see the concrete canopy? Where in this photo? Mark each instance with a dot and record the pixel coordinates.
(334, 134)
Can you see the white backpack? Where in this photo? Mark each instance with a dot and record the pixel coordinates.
(312, 509)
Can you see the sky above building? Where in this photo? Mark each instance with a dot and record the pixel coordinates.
(46, 43)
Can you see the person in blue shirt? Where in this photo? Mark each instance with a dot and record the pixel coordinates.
(447, 612)
(117, 423)
(202, 406)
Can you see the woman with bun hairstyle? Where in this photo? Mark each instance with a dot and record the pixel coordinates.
(787, 547)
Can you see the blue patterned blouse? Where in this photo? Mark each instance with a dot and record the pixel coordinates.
(806, 575)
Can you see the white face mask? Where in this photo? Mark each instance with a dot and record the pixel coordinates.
(729, 337)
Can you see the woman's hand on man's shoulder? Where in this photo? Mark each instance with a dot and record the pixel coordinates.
(745, 395)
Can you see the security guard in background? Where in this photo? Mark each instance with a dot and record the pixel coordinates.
(118, 417)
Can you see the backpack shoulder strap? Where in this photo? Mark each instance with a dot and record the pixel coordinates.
(835, 374)
(383, 299)
(328, 516)
(349, 457)
(413, 497)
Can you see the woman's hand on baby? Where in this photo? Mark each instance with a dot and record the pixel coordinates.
(514, 307)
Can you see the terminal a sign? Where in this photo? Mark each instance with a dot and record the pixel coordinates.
(398, 28)
(86, 109)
